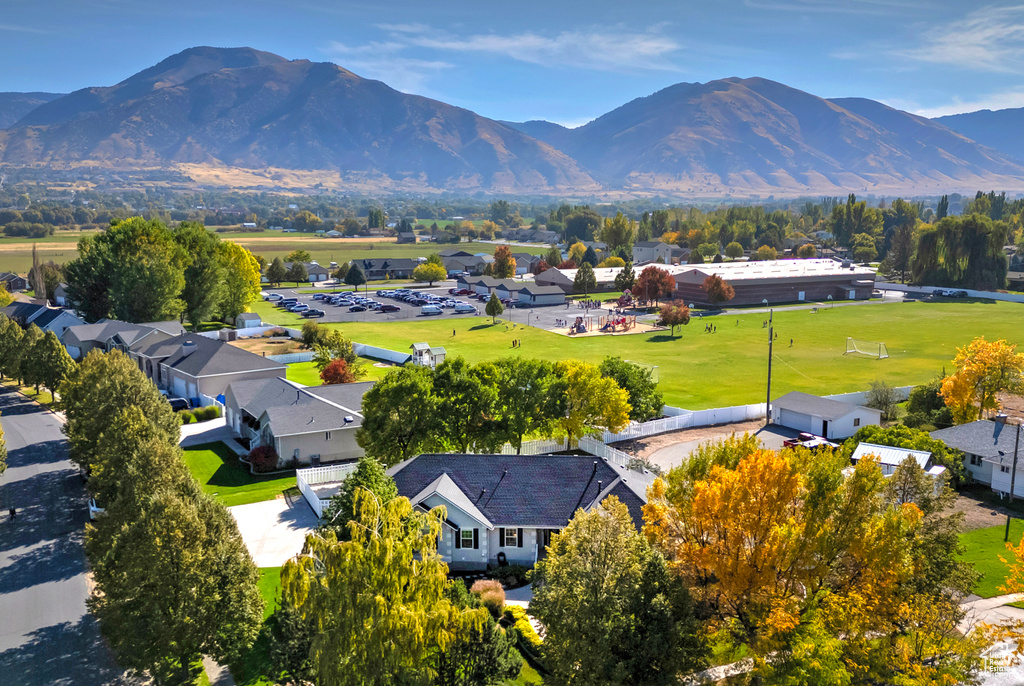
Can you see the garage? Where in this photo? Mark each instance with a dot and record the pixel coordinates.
(795, 420)
(179, 387)
(825, 417)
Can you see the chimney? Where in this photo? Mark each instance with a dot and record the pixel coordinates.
(1002, 418)
(187, 348)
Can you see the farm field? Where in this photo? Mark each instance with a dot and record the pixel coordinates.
(698, 370)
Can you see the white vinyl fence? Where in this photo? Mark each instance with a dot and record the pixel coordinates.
(651, 428)
(540, 447)
(306, 479)
(384, 354)
(290, 358)
(596, 447)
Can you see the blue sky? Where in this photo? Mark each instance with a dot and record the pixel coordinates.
(565, 61)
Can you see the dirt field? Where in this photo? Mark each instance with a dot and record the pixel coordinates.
(1013, 406)
(645, 447)
(270, 346)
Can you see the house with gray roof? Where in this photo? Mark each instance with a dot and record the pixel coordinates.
(310, 425)
(189, 366)
(825, 417)
(13, 282)
(47, 318)
(988, 449)
(388, 268)
(508, 506)
(314, 272)
(110, 334)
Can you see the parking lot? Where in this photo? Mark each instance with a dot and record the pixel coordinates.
(335, 313)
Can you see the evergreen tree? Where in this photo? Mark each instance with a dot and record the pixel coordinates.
(585, 280)
(276, 272)
(355, 277)
(626, 278)
(297, 273)
(494, 308)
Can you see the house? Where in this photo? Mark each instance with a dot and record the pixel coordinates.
(190, 366)
(426, 356)
(406, 237)
(525, 262)
(248, 320)
(508, 506)
(54, 319)
(988, 448)
(889, 458)
(111, 334)
(248, 225)
(314, 271)
(652, 251)
(564, 278)
(532, 295)
(60, 295)
(13, 283)
(778, 281)
(831, 419)
(388, 268)
(466, 263)
(309, 425)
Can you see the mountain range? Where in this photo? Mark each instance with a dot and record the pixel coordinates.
(242, 109)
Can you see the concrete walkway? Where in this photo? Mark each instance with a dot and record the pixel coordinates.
(274, 531)
(995, 610)
(213, 431)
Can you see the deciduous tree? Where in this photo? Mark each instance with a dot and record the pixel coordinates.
(504, 265)
(588, 399)
(429, 272)
(370, 476)
(494, 308)
(336, 371)
(734, 250)
(298, 255)
(297, 273)
(717, 290)
(806, 251)
(675, 313)
(377, 601)
(399, 416)
(645, 401)
(55, 365)
(983, 370)
(241, 280)
(468, 398)
(654, 284)
(576, 252)
(523, 402)
(355, 277)
(11, 348)
(767, 252)
(618, 232)
(611, 612)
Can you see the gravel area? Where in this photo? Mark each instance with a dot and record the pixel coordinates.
(645, 447)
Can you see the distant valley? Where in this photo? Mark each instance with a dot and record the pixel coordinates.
(245, 118)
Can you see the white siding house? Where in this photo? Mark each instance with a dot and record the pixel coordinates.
(831, 419)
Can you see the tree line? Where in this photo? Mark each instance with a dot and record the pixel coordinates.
(141, 271)
(173, 578)
(32, 357)
(464, 408)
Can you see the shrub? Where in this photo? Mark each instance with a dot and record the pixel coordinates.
(263, 458)
(205, 414)
(491, 595)
(511, 576)
(515, 616)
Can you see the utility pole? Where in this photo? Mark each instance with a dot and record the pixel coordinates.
(771, 340)
(1013, 479)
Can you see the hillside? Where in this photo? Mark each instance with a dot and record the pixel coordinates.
(998, 129)
(14, 106)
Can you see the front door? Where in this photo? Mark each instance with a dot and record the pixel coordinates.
(543, 541)
(824, 428)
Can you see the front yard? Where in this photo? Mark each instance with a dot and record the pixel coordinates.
(220, 473)
(983, 548)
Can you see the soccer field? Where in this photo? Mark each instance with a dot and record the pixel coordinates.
(698, 370)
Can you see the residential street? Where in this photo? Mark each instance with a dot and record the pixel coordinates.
(47, 637)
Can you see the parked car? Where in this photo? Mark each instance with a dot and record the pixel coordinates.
(273, 297)
(390, 308)
(449, 303)
(94, 509)
(357, 308)
(298, 307)
(430, 310)
(462, 308)
(319, 296)
(287, 302)
(959, 294)
(178, 404)
(313, 313)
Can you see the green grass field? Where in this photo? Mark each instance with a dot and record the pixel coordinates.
(221, 474)
(699, 370)
(307, 374)
(983, 548)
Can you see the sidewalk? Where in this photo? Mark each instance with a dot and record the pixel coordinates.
(213, 431)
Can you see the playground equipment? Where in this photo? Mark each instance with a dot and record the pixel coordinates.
(626, 299)
(617, 323)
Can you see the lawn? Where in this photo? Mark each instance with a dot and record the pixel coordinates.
(254, 666)
(220, 473)
(699, 370)
(43, 397)
(307, 374)
(983, 548)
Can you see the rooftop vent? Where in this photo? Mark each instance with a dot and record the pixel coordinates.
(187, 348)
(349, 419)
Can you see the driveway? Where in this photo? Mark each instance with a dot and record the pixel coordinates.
(47, 636)
(275, 530)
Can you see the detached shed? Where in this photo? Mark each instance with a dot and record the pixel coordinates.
(248, 320)
(889, 458)
(831, 419)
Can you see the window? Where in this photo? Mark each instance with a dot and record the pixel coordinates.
(975, 460)
(467, 538)
(1004, 469)
(511, 541)
(856, 421)
(328, 435)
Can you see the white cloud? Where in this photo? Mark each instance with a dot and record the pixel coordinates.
(382, 61)
(995, 101)
(989, 39)
(838, 6)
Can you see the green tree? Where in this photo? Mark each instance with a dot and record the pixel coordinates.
(484, 656)
(626, 278)
(204, 272)
(175, 584)
(291, 639)
(587, 400)
(863, 246)
(355, 277)
(241, 280)
(297, 273)
(644, 399)
(11, 348)
(276, 272)
(330, 345)
(523, 404)
(298, 255)
(429, 272)
(399, 416)
(734, 250)
(611, 612)
(590, 256)
(55, 365)
(468, 399)
(554, 257)
(377, 600)
(942, 209)
(306, 222)
(370, 476)
(618, 232)
(341, 272)
(101, 386)
(88, 278)
(584, 281)
(494, 308)
(30, 367)
(806, 251)
(435, 258)
(965, 252)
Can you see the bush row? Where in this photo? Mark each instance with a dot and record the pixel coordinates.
(200, 414)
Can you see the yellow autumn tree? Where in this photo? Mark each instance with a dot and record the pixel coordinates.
(589, 400)
(984, 369)
(812, 567)
(576, 252)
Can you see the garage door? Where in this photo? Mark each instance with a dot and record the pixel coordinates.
(179, 387)
(795, 420)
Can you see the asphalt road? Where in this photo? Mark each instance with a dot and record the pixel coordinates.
(47, 637)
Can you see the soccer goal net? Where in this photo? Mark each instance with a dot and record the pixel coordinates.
(869, 348)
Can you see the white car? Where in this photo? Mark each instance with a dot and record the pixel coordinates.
(462, 308)
(430, 310)
(94, 509)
